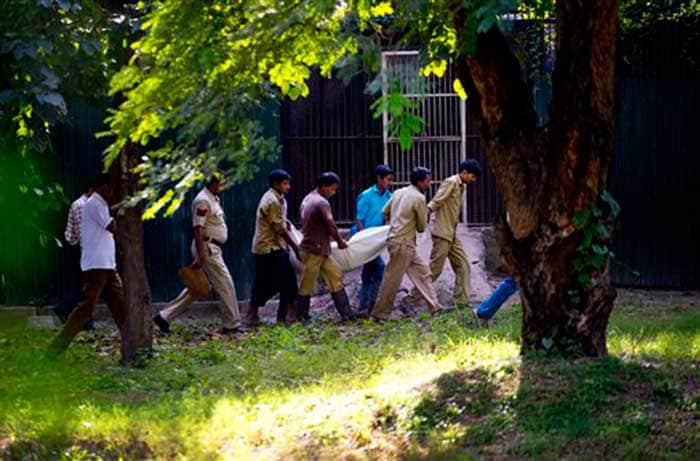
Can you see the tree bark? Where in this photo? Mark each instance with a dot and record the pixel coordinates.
(136, 335)
(548, 175)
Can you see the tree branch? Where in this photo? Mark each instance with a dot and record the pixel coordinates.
(508, 125)
(506, 105)
(583, 101)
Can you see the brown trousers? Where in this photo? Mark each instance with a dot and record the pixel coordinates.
(403, 259)
(96, 282)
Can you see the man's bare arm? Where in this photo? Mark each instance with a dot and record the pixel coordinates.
(199, 246)
(333, 229)
(112, 227)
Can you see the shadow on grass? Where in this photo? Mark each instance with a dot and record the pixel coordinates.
(536, 408)
(550, 408)
(43, 403)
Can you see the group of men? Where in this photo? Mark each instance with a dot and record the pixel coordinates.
(405, 211)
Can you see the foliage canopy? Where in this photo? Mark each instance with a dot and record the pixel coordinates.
(202, 69)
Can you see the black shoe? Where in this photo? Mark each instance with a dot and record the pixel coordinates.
(303, 304)
(362, 314)
(237, 329)
(162, 325)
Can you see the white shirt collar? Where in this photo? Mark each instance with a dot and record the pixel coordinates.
(99, 197)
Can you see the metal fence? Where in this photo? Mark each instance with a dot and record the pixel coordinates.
(330, 130)
(333, 129)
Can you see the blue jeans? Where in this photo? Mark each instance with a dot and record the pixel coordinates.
(493, 303)
(372, 275)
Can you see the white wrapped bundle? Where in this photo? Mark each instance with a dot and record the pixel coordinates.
(362, 248)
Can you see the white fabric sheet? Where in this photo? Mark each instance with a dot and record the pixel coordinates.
(363, 247)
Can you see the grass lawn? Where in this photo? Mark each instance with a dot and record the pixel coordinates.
(427, 389)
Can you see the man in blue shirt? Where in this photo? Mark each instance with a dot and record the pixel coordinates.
(369, 214)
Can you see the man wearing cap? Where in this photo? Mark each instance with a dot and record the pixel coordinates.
(210, 234)
(407, 214)
(370, 204)
(445, 207)
(271, 244)
(318, 228)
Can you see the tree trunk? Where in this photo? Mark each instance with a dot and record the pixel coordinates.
(552, 178)
(136, 336)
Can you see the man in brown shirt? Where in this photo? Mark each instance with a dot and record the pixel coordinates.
(271, 244)
(407, 215)
(318, 227)
(445, 207)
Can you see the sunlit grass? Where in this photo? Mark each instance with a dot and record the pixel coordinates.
(364, 392)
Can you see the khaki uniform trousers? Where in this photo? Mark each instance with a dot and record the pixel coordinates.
(453, 251)
(318, 264)
(403, 259)
(217, 273)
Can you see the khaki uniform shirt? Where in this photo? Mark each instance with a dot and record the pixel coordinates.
(317, 224)
(445, 206)
(407, 214)
(270, 224)
(207, 212)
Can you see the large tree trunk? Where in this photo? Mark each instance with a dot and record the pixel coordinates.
(552, 178)
(136, 336)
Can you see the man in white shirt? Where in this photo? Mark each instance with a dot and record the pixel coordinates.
(72, 236)
(210, 234)
(98, 264)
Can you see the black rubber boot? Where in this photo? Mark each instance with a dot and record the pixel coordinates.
(342, 305)
(303, 304)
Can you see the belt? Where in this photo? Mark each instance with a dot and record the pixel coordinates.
(215, 242)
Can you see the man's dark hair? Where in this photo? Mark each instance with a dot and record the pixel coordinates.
(278, 176)
(100, 180)
(470, 166)
(327, 179)
(383, 171)
(217, 176)
(88, 186)
(419, 174)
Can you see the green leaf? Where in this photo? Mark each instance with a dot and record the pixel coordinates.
(405, 138)
(599, 249)
(581, 218)
(586, 240)
(547, 343)
(459, 89)
(596, 261)
(603, 231)
(614, 206)
(53, 99)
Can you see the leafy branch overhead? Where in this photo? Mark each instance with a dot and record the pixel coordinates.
(51, 54)
(203, 71)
